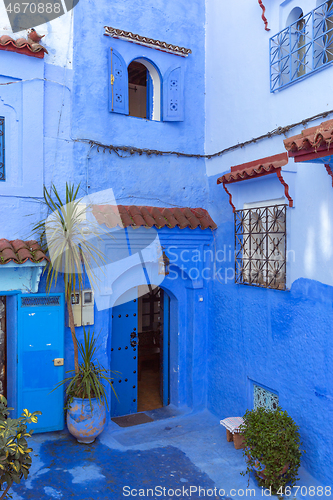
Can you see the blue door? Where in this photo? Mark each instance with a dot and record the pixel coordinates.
(124, 358)
(40, 358)
(125, 352)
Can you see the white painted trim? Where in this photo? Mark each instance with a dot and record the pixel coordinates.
(156, 88)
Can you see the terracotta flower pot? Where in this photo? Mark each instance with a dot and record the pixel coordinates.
(86, 423)
(259, 468)
(239, 441)
(263, 475)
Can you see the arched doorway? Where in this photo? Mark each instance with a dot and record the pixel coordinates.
(140, 345)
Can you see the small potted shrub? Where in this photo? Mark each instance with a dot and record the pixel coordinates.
(272, 447)
(85, 391)
(15, 460)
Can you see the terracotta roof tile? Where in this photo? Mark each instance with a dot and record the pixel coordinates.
(171, 220)
(259, 168)
(149, 220)
(254, 169)
(20, 251)
(311, 139)
(146, 41)
(136, 216)
(22, 46)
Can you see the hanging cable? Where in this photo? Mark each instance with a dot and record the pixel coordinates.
(132, 150)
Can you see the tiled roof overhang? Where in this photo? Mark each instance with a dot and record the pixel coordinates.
(255, 169)
(146, 41)
(136, 216)
(19, 251)
(312, 143)
(22, 46)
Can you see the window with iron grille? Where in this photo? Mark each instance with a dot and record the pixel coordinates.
(304, 47)
(264, 398)
(260, 246)
(2, 149)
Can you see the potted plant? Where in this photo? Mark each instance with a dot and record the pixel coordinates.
(272, 447)
(86, 397)
(15, 460)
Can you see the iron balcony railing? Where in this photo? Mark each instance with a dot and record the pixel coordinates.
(304, 47)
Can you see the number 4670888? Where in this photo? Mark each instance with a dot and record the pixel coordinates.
(302, 491)
(34, 8)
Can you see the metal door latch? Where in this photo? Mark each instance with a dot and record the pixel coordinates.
(58, 362)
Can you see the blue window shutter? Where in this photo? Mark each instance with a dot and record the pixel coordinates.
(118, 83)
(2, 149)
(173, 95)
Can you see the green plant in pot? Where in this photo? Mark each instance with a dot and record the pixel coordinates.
(272, 448)
(85, 391)
(15, 459)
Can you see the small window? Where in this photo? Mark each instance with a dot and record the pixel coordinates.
(260, 237)
(264, 398)
(136, 89)
(2, 149)
(144, 90)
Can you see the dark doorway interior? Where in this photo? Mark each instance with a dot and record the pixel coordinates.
(3, 347)
(150, 355)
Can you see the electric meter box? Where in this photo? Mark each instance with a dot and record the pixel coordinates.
(87, 307)
(76, 307)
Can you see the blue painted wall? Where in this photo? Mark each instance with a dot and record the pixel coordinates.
(236, 334)
(278, 339)
(159, 181)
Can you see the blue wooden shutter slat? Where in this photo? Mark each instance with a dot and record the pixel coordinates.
(118, 83)
(173, 95)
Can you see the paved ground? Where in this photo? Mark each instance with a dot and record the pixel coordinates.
(172, 457)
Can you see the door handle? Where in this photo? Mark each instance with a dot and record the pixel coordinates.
(58, 362)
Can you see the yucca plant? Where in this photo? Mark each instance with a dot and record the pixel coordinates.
(15, 460)
(69, 240)
(88, 382)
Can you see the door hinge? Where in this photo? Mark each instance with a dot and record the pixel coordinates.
(112, 79)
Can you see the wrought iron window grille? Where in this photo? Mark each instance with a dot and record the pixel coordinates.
(260, 247)
(264, 398)
(2, 149)
(304, 47)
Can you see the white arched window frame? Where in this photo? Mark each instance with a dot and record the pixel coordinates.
(155, 104)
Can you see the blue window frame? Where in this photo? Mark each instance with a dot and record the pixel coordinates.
(303, 48)
(2, 149)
